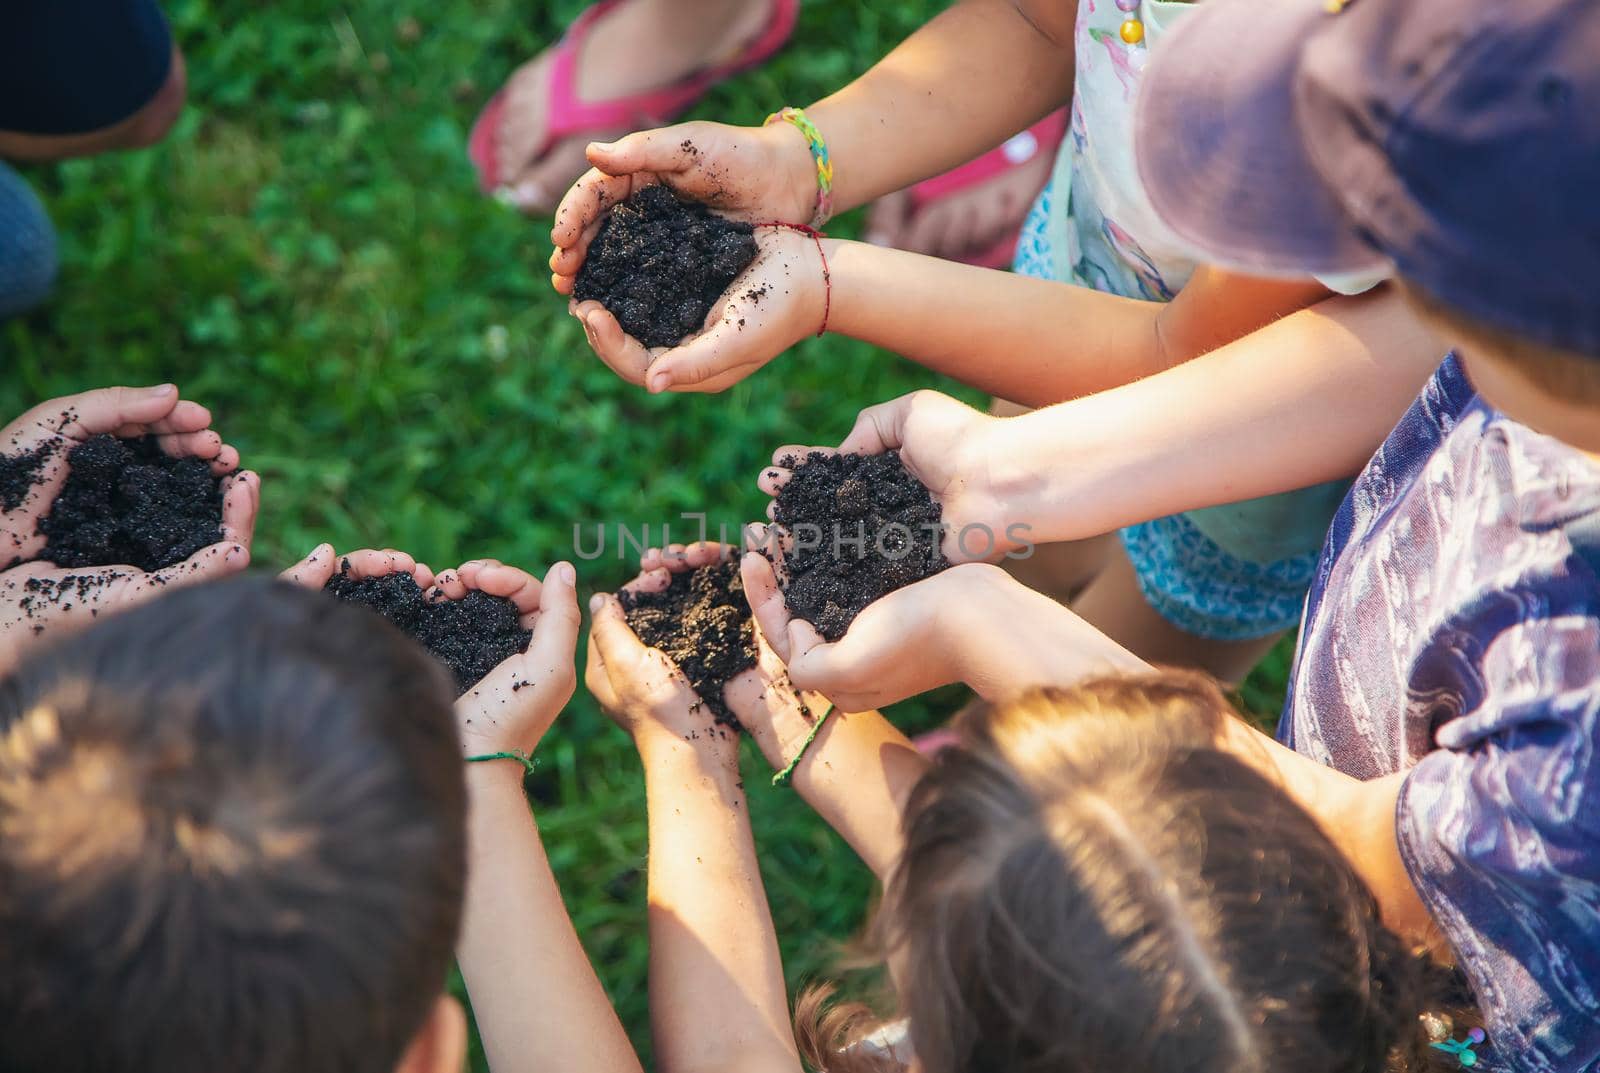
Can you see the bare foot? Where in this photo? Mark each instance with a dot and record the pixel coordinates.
(638, 46)
(966, 222)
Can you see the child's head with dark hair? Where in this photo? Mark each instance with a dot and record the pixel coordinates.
(231, 838)
(1092, 883)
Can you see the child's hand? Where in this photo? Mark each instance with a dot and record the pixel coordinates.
(514, 704)
(906, 643)
(775, 302)
(318, 568)
(642, 690)
(942, 444)
(182, 428)
(972, 623)
(760, 174)
(766, 703)
(39, 600)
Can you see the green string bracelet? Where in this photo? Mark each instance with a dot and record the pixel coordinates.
(522, 758)
(784, 777)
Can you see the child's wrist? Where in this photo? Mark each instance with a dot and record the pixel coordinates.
(715, 748)
(790, 158)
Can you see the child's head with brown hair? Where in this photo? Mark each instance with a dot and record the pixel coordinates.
(231, 838)
(1092, 883)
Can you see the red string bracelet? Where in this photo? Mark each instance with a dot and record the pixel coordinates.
(827, 279)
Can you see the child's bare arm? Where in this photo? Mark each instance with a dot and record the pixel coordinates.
(855, 769)
(1031, 341)
(712, 942)
(535, 996)
(1304, 400)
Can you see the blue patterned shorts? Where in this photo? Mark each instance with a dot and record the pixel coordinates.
(1187, 577)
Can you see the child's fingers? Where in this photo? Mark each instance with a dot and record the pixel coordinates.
(422, 574)
(468, 571)
(370, 563)
(217, 561)
(185, 417)
(518, 586)
(665, 149)
(654, 580)
(707, 552)
(766, 601)
(710, 356)
(791, 455)
(448, 585)
(813, 662)
(565, 261)
(773, 478)
(204, 445)
(621, 353)
(619, 646)
(315, 569)
(241, 503)
(226, 462)
(669, 558)
(555, 636)
(587, 200)
(879, 428)
(597, 678)
(107, 409)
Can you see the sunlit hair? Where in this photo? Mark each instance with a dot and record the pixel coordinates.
(231, 839)
(1090, 883)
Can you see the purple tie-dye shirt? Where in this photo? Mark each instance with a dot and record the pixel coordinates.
(1453, 631)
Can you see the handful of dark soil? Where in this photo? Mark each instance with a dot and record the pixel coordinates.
(702, 622)
(861, 526)
(472, 636)
(129, 503)
(660, 264)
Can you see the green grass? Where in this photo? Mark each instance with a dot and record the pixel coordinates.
(307, 254)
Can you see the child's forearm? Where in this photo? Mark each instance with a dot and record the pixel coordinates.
(857, 774)
(516, 938)
(1304, 400)
(1038, 342)
(935, 101)
(717, 997)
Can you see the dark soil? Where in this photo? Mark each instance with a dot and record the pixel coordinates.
(702, 622)
(472, 636)
(660, 264)
(830, 577)
(19, 473)
(129, 503)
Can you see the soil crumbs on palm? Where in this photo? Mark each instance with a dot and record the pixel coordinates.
(861, 526)
(471, 636)
(21, 472)
(702, 622)
(660, 264)
(129, 503)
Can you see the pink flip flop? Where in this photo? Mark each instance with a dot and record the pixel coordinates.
(569, 115)
(1043, 137)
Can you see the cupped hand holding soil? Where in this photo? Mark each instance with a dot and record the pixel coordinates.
(108, 498)
(853, 529)
(659, 265)
(779, 300)
(685, 594)
(749, 173)
(954, 451)
(515, 634)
